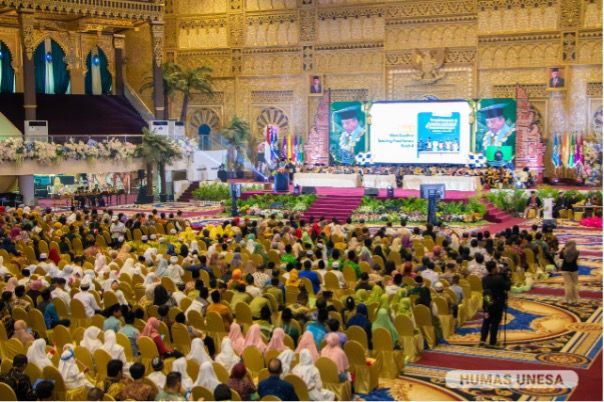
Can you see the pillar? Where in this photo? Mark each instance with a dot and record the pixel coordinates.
(119, 48)
(26, 189)
(157, 42)
(26, 30)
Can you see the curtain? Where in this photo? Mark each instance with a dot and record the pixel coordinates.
(40, 68)
(60, 73)
(98, 80)
(7, 75)
(49, 84)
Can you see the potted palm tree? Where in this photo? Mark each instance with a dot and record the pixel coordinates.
(238, 135)
(158, 151)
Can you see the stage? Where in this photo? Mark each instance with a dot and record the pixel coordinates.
(452, 195)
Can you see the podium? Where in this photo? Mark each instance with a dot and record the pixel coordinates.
(281, 182)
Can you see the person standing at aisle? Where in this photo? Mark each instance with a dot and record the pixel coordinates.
(570, 272)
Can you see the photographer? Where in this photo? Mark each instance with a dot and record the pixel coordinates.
(495, 286)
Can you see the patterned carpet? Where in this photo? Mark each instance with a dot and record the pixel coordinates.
(543, 333)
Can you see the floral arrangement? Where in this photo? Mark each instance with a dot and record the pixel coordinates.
(277, 204)
(416, 210)
(218, 191)
(18, 150)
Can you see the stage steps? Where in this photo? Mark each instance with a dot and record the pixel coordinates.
(333, 206)
(496, 215)
(187, 195)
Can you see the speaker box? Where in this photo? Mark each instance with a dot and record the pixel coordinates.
(141, 174)
(309, 190)
(372, 191)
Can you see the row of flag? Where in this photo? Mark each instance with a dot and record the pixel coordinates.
(567, 150)
(291, 146)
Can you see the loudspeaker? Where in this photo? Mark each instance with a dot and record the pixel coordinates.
(309, 190)
(372, 191)
(141, 174)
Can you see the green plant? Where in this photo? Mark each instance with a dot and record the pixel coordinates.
(547, 192)
(475, 205)
(212, 192)
(157, 151)
(238, 135)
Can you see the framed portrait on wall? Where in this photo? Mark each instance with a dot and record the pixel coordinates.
(315, 85)
(556, 78)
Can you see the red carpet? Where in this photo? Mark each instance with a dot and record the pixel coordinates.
(338, 207)
(560, 292)
(590, 380)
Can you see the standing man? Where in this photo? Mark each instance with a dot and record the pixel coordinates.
(495, 287)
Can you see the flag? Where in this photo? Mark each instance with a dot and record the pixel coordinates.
(289, 146)
(284, 148)
(300, 150)
(295, 149)
(571, 152)
(556, 151)
(579, 149)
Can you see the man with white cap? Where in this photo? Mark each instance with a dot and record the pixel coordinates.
(87, 299)
(60, 293)
(175, 271)
(117, 229)
(48, 265)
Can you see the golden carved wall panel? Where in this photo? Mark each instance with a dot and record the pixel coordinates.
(272, 30)
(488, 79)
(138, 48)
(264, 5)
(519, 55)
(577, 101)
(430, 35)
(218, 60)
(201, 6)
(266, 97)
(452, 56)
(529, 18)
(10, 37)
(589, 49)
(372, 83)
(509, 90)
(203, 33)
(368, 27)
(570, 13)
(592, 13)
(594, 89)
(349, 94)
(431, 8)
(346, 61)
(457, 83)
(272, 61)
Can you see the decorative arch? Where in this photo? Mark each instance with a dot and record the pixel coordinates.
(7, 72)
(202, 119)
(98, 80)
(50, 66)
(273, 116)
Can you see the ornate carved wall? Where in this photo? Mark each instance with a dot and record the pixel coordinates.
(263, 52)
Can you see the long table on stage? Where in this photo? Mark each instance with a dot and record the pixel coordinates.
(459, 183)
(327, 180)
(379, 180)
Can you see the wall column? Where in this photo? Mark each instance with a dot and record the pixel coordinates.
(26, 31)
(157, 41)
(26, 189)
(119, 50)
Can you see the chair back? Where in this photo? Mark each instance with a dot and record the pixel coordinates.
(84, 356)
(263, 375)
(61, 336)
(214, 322)
(37, 323)
(19, 313)
(382, 340)
(12, 348)
(200, 393)
(101, 358)
(181, 339)
(358, 334)
(7, 393)
(243, 314)
(221, 372)
(331, 281)
(270, 398)
(423, 315)
(299, 386)
(475, 283)
(355, 352)
(328, 370)
(441, 305)
(124, 342)
(404, 325)
(51, 373)
(33, 372)
(195, 319)
(78, 314)
(253, 359)
(109, 299)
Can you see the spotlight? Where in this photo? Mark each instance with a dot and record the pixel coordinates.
(48, 57)
(0, 54)
(96, 60)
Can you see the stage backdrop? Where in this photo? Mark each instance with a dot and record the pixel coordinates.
(424, 132)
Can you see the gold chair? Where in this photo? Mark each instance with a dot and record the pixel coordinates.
(253, 360)
(447, 322)
(243, 314)
(423, 319)
(221, 373)
(299, 386)
(411, 341)
(78, 314)
(61, 336)
(84, 356)
(358, 334)
(7, 393)
(148, 350)
(101, 358)
(181, 338)
(270, 398)
(12, 348)
(200, 393)
(33, 372)
(124, 342)
(331, 379)
(363, 381)
(60, 390)
(389, 361)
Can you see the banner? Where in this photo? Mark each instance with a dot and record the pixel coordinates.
(496, 130)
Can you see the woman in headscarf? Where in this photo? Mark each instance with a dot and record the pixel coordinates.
(151, 330)
(36, 354)
(128, 267)
(235, 279)
(307, 341)
(115, 289)
(383, 320)
(91, 339)
(227, 356)
(360, 296)
(100, 263)
(161, 297)
(22, 334)
(277, 341)
(11, 285)
(375, 294)
(237, 339)
(334, 352)
(180, 366)
(361, 319)
(72, 376)
(107, 282)
(54, 256)
(207, 377)
(293, 279)
(115, 350)
(307, 371)
(198, 352)
(254, 338)
(287, 358)
(241, 382)
(162, 266)
(570, 269)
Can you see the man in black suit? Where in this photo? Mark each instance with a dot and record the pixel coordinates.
(315, 86)
(555, 80)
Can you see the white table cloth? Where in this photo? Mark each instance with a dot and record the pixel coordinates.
(327, 180)
(459, 183)
(379, 180)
